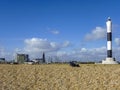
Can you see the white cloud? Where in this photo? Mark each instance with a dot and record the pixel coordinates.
(117, 41)
(55, 32)
(83, 50)
(66, 44)
(97, 33)
(37, 45)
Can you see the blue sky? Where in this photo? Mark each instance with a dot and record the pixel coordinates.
(67, 29)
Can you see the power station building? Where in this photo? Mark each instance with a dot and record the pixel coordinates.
(21, 58)
(24, 58)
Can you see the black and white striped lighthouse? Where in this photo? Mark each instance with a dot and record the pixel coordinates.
(109, 59)
(109, 37)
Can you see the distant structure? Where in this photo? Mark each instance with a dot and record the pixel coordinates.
(40, 60)
(43, 57)
(2, 60)
(21, 58)
(109, 59)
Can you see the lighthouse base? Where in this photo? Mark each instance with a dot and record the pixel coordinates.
(109, 61)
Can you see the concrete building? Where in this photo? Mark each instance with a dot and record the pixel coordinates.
(21, 58)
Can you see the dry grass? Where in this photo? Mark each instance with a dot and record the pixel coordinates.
(59, 77)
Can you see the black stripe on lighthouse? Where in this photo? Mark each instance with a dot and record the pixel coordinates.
(109, 46)
(109, 53)
(109, 36)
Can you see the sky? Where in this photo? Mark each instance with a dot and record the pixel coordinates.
(64, 29)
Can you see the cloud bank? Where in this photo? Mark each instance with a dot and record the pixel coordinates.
(117, 41)
(35, 46)
(43, 45)
(57, 51)
(96, 34)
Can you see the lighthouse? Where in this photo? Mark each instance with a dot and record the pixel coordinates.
(109, 59)
(109, 38)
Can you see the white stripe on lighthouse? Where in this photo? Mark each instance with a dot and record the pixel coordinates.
(109, 37)
(109, 26)
(109, 45)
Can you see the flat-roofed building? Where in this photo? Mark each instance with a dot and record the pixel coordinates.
(21, 58)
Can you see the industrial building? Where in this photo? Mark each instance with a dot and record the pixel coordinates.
(24, 58)
(21, 58)
(2, 60)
